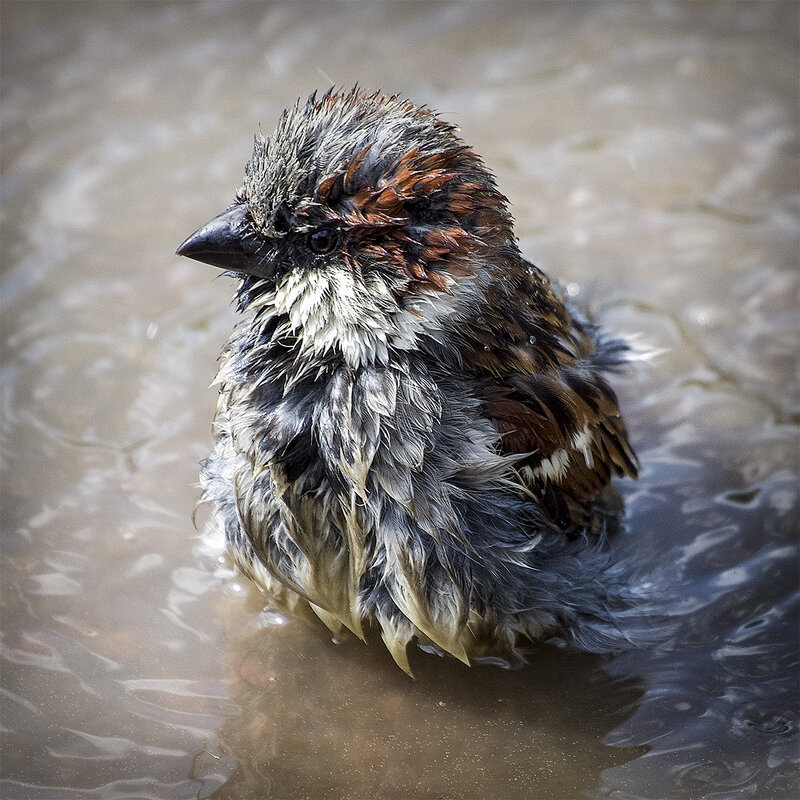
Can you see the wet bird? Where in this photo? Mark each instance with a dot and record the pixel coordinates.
(415, 432)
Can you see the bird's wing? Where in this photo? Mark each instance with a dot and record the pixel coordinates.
(540, 382)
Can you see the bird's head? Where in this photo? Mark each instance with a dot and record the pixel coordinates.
(357, 210)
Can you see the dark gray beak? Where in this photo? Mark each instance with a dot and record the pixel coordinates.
(227, 241)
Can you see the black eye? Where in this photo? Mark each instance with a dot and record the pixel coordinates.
(323, 241)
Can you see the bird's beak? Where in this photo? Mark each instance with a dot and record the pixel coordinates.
(224, 241)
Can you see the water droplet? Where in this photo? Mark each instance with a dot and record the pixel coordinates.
(487, 348)
(532, 339)
(481, 320)
(573, 289)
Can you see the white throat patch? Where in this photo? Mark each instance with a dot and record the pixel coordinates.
(333, 309)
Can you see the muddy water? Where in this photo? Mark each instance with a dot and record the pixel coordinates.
(650, 154)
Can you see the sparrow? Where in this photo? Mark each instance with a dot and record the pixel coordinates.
(415, 433)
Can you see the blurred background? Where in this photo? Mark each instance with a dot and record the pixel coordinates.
(650, 154)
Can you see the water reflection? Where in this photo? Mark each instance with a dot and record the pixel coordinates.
(356, 723)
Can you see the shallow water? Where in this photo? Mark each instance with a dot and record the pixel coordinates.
(650, 153)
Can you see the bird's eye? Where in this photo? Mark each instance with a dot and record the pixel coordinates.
(323, 241)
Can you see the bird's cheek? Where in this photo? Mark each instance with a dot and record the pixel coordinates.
(266, 260)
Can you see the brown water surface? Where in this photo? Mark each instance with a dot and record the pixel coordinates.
(650, 153)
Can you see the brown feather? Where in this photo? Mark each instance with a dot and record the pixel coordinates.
(561, 418)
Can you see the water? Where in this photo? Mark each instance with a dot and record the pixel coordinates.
(650, 155)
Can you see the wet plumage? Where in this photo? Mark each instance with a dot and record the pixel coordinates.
(414, 432)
